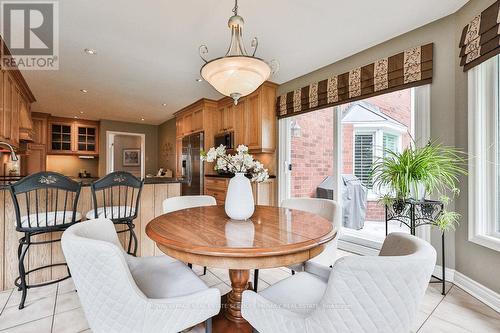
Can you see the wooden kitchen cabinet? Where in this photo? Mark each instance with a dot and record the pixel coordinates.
(178, 157)
(15, 105)
(197, 121)
(190, 122)
(260, 119)
(6, 126)
(178, 127)
(86, 138)
(240, 125)
(225, 116)
(73, 137)
(187, 124)
(195, 118)
(26, 132)
(36, 158)
(60, 137)
(40, 129)
(252, 121)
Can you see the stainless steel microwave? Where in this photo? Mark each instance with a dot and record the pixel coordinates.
(225, 139)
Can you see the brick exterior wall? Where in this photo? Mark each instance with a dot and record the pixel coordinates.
(312, 152)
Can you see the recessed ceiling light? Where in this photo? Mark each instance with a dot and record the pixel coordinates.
(163, 104)
(84, 91)
(81, 112)
(142, 119)
(76, 117)
(199, 79)
(90, 51)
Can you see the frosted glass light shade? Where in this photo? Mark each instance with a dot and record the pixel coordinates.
(236, 76)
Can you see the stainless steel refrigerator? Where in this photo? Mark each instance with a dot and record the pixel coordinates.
(192, 166)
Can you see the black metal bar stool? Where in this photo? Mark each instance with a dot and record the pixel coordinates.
(44, 202)
(116, 197)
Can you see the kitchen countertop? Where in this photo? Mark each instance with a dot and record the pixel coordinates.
(229, 176)
(5, 181)
(163, 180)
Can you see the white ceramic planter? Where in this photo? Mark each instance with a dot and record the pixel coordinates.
(417, 191)
(239, 198)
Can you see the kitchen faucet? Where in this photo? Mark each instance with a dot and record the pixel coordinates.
(13, 155)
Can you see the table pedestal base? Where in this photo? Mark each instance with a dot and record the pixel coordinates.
(229, 318)
(221, 324)
(239, 283)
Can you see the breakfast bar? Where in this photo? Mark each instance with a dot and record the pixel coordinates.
(155, 190)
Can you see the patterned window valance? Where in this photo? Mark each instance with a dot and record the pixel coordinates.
(481, 38)
(407, 69)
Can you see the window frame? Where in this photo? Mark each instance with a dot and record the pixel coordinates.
(483, 96)
(378, 147)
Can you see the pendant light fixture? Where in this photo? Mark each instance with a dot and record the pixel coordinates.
(236, 74)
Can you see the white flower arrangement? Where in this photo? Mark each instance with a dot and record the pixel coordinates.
(241, 162)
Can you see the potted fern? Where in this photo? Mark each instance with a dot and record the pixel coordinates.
(420, 172)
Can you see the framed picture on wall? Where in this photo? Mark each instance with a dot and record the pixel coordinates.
(131, 157)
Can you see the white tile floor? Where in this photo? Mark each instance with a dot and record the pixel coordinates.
(56, 308)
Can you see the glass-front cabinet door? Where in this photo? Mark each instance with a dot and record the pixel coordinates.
(60, 138)
(86, 139)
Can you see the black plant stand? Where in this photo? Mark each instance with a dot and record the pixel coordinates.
(414, 214)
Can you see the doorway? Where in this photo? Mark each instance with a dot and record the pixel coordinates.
(125, 152)
(321, 152)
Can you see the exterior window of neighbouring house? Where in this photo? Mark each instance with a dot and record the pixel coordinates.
(368, 147)
(391, 143)
(363, 157)
(484, 153)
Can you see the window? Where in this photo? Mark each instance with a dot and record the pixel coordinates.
(363, 157)
(484, 154)
(370, 145)
(390, 143)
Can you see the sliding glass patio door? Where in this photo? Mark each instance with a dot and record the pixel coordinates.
(329, 153)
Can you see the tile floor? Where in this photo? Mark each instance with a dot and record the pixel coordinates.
(56, 308)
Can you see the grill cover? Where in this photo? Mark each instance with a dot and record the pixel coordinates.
(354, 195)
(325, 189)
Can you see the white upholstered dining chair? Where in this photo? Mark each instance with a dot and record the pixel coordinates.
(123, 293)
(360, 294)
(327, 210)
(188, 201)
(324, 208)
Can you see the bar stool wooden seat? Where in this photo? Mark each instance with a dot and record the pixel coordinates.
(44, 202)
(116, 197)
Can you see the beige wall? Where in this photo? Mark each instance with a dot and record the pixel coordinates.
(71, 165)
(477, 262)
(166, 145)
(448, 106)
(151, 151)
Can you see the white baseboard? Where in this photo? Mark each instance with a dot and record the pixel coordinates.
(450, 273)
(482, 293)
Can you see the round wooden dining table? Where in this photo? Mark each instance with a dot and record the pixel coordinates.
(272, 237)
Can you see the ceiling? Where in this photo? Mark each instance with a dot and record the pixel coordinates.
(147, 51)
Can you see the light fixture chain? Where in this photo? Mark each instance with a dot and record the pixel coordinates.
(235, 9)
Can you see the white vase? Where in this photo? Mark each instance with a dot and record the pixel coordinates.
(417, 191)
(239, 198)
